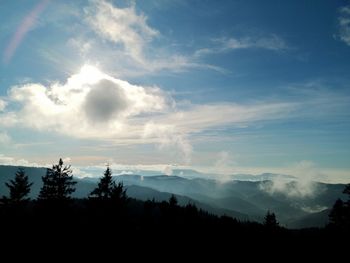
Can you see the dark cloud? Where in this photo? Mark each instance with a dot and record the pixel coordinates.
(105, 100)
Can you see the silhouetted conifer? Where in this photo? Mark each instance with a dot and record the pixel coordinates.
(340, 213)
(270, 220)
(58, 184)
(347, 190)
(107, 189)
(173, 201)
(19, 188)
(105, 186)
(337, 216)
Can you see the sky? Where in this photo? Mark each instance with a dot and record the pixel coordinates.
(218, 86)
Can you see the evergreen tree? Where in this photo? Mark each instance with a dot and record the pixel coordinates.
(340, 213)
(119, 194)
(347, 190)
(107, 189)
(270, 220)
(337, 216)
(173, 201)
(19, 187)
(104, 189)
(58, 183)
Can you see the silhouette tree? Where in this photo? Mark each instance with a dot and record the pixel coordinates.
(104, 189)
(119, 193)
(19, 188)
(173, 201)
(337, 216)
(58, 183)
(107, 189)
(340, 214)
(270, 220)
(347, 190)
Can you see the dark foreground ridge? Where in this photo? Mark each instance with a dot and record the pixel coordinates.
(109, 214)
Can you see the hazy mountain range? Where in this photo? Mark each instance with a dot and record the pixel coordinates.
(295, 204)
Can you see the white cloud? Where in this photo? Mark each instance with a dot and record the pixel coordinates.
(344, 24)
(126, 36)
(200, 117)
(168, 170)
(168, 135)
(7, 160)
(304, 186)
(122, 26)
(4, 138)
(2, 105)
(224, 165)
(84, 46)
(94, 105)
(222, 45)
(89, 104)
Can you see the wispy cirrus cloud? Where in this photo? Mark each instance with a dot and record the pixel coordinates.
(123, 34)
(344, 24)
(227, 44)
(121, 26)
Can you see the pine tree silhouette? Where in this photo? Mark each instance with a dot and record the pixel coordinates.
(270, 220)
(173, 201)
(347, 190)
(337, 216)
(19, 188)
(107, 189)
(58, 183)
(340, 214)
(104, 189)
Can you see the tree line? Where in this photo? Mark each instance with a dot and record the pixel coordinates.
(59, 185)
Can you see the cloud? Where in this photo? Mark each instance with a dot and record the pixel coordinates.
(105, 100)
(4, 138)
(2, 105)
(94, 105)
(304, 186)
(344, 24)
(223, 45)
(125, 35)
(121, 26)
(86, 100)
(223, 166)
(313, 209)
(168, 136)
(168, 170)
(197, 118)
(7, 160)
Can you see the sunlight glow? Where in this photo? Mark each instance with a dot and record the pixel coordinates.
(90, 74)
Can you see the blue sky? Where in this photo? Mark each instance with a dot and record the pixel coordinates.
(224, 86)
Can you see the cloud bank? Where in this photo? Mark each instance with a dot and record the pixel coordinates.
(95, 105)
(304, 186)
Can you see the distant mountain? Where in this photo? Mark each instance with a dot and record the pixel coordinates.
(145, 193)
(244, 199)
(35, 174)
(261, 177)
(7, 173)
(319, 219)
